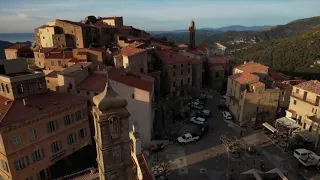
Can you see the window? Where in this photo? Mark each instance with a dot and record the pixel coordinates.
(83, 133)
(48, 81)
(21, 163)
(52, 126)
(56, 146)
(283, 92)
(188, 80)
(20, 88)
(132, 95)
(141, 70)
(189, 71)
(174, 84)
(2, 86)
(174, 66)
(88, 93)
(72, 138)
(38, 155)
(174, 74)
(181, 72)
(4, 165)
(294, 102)
(79, 114)
(78, 92)
(70, 86)
(181, 65)
(7, 87)
(33, 134)
(188, 63)
(67, 120)
(95, 94)
(297, 91)
(16, 140)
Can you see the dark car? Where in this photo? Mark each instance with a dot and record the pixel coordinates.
(222, 107)
(203, 130)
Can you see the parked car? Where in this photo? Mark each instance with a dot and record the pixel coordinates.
(226, 115)
(198, 120)
(222, 91)
(224, 96)
(188, 137)
(203, 130)
(198, 101)
(205, 113)
(222, 107)
(203, 96)
(195, 106)
(301, 153)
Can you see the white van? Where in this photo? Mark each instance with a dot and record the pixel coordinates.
(197, 120)
(301, 153)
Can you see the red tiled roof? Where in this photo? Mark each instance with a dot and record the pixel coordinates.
(94, 82)
(35, 102)
(218, 60)
(258, 84)
(132, 49)
(87, 174)
(52, 74)
(202, 47)
(282, 85)
(277, 76)
(311, 86)
(195, 61)
(59, 55)
(171, 56)
(217, 68)
(20, 47)
(162, 46)
(244, 77)
(195, 51)
(252, 67)
(140, 81)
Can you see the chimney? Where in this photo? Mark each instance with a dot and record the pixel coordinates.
(25, 101)
(244, 62)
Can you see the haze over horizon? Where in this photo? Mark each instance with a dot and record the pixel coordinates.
(19, 16)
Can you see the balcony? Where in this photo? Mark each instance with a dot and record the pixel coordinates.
(315, 103)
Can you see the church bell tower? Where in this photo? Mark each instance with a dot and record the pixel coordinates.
(112, 136)
(192, 35)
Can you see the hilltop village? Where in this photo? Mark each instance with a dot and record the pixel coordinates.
(99, 99)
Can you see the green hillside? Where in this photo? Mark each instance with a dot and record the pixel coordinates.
(293, 55)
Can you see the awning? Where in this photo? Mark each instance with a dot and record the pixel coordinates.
(288, 123)
(268, 126)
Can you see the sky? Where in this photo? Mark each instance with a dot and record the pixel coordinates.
(150, 15)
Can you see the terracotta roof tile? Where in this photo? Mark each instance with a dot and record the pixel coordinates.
(195, 51)
(20, 47)
(132, 49)
(171, 56)
(218, 60)
(140, 81)
(53, 74)
(35, 102)
(277, 76)
(245, 77)
(311, 86)
(252, 67)
(202, 47)
(216, 68)
(87, 174)
(94, 82)
(258, 84)
(161, 46)
(74, 69)
(282, 85)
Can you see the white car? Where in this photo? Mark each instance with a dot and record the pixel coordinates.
(205, 112)
(187, 138)
(197, 120)
(224, 96)
(226, 115)
(198, 101)
(198, 107)
(301, 153)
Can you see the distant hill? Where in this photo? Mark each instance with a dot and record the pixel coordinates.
(293, 55)
(217, 30)
(5, 44)
(234, 40)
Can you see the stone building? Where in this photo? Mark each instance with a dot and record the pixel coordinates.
(48, 127)
(18, 51)
(176, 73)
(111, 120)
(219, 69)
